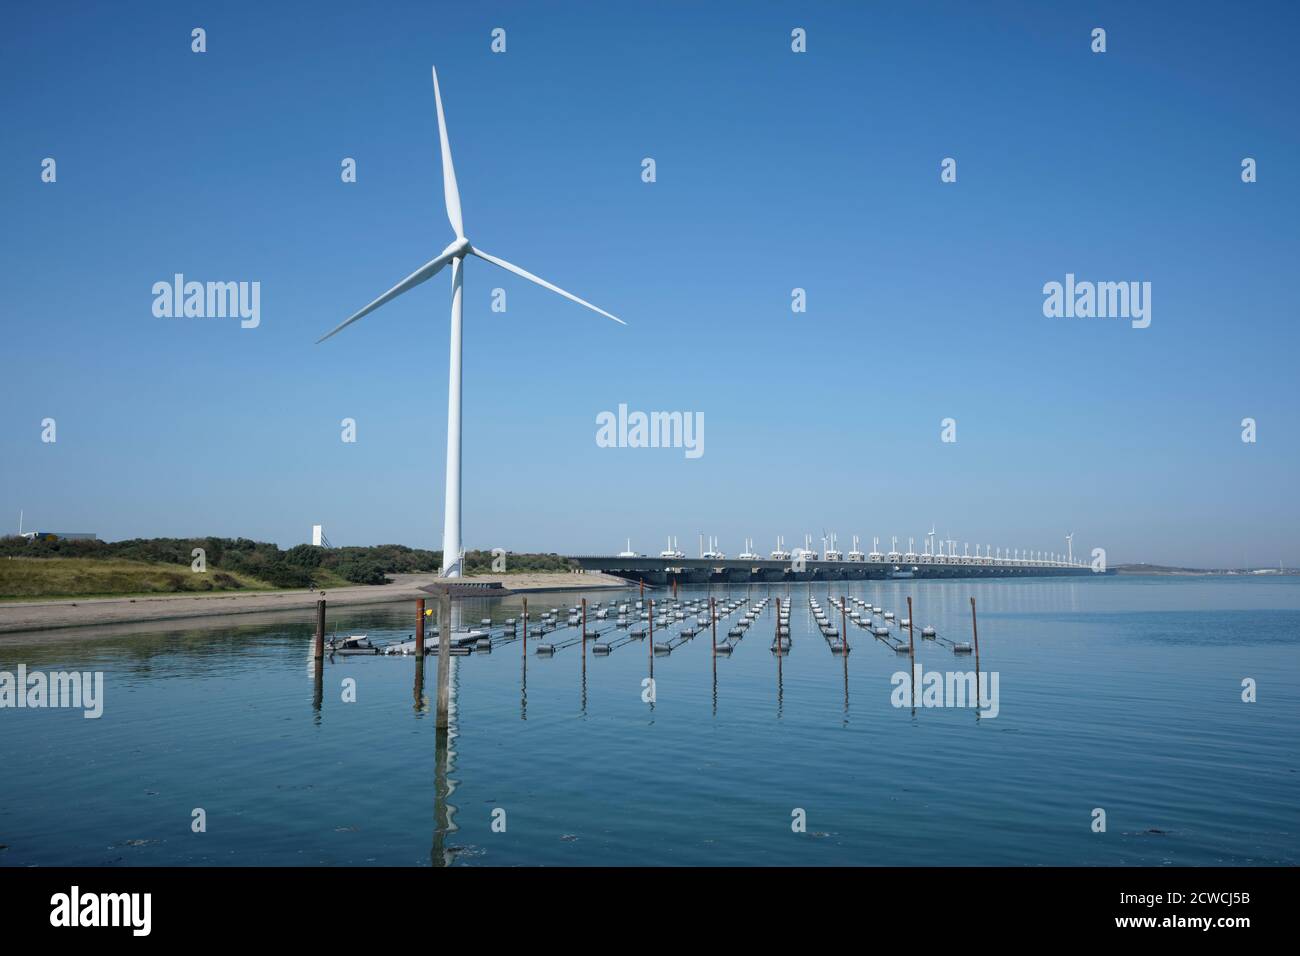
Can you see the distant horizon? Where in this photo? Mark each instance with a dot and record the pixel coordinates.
(284, 546)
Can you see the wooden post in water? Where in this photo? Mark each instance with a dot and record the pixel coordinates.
(778, 631)
(713, 613)
(844, 625)
(975, 631)
(525, 627)
(584, 627)
(641, 596)
(319, 651)
(911, 649)
(444, 658)
(419, 628)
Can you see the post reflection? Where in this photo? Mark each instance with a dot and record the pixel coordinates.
(318, 687)
(713, 619)
(421, 702)
(845, 655)
(444, 811)
(780, 686)
(715, 685)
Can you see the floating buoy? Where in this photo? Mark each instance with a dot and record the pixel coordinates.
(600, 648)
(882, 632)
(722, 648)
(546, 649)
(484, 644)
(662, 648)
(928, 632)
(961, 648)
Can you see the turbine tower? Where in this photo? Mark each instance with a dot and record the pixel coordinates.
(454, 255)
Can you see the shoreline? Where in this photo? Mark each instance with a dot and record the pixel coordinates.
(25, 617)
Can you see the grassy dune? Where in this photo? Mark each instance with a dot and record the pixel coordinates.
(39, 578)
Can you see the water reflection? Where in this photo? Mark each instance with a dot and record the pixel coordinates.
(715, 680)
(441, 854)
(845, 655)
(318, 686)
(523, 679)
(780, 681)
(421, 705)
(234, 689)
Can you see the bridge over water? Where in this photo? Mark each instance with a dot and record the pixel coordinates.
(658, 570)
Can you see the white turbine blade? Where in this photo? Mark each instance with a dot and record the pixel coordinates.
(510, 267)
(422, 274)
(449, 188)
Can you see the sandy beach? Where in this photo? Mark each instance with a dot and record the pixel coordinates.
(26, 616)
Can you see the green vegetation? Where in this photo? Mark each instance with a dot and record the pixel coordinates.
(232, 563)
(480, 562)
(32, 569)
(85, 577)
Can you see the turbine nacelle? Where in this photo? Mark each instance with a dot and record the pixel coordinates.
(457, 249)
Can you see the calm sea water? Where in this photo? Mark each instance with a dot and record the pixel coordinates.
(1122, 693)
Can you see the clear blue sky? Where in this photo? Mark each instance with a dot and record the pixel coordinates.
(775, 170)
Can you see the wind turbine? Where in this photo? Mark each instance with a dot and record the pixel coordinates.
(454, 255)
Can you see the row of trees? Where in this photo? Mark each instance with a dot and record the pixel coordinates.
(488, 562)
(294, 568)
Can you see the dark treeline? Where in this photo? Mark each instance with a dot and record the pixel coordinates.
(297, 567)
(480, 562)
